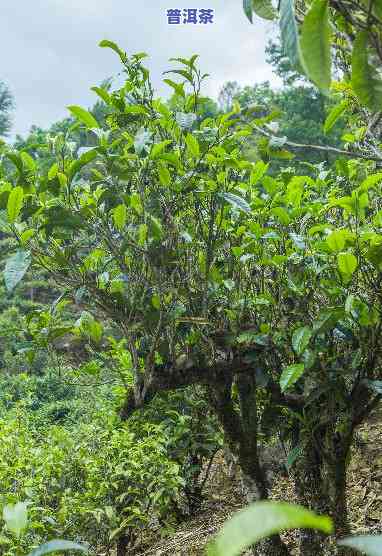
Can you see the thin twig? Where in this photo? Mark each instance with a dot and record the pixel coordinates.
(323, 148)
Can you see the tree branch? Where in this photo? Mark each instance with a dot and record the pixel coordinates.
(163, 378)
(322, 148)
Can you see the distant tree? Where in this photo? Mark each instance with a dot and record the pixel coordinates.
(227, 95)
(260, 94)
(281, 65)
(6, 105)
(303, 107)
(303, 113)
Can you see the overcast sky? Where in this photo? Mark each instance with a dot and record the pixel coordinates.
(50, 57)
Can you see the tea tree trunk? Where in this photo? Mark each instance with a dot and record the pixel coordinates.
(320, 481)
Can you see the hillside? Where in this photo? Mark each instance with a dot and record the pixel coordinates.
(224, 498)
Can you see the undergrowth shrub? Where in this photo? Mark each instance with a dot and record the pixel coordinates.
(88, 476)
(194, 437)
(99, 484)
(47, 399)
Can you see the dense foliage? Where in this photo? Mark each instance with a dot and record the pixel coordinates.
(314, 33)
(89, 477)
(204, 275)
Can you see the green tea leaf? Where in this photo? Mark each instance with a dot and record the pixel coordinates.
(336, 240)
(347, 263)
(247, 7)
(184, 73)
(189, 63)
(135, 109)
(365, 80)
(89, 326)
(178, 87)
(15, 203)
(290, 375)
(142, 234)
(237, 202)
(78, 164)
(301, 338)
(158, 148)
(16, 159)
(156, 227)
(264, 9)
(371, 181)
(192, 145)
(103, 94)
(84, 116)
(53, 171)
(62, 179)
(258, 172)
(58, 546)
(113, 46)
(15, 269)
(371, 545)
(334, 115)
(282, 215)
(26, 236)
(315, 45)
(136, 203)
(120, 216)
(28, 161)
(289, 32)
(377, 7)
(16, 517)
(261, 520)
(164, 175)
(155, 301)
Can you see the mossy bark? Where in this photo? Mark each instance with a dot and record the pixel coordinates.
(320, 481)
(240, 428)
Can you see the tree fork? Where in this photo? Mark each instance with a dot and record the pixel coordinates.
(240, 428)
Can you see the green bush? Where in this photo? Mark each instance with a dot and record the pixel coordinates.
(47, 399)
(87, 476)
(85, 485)
(193, 437)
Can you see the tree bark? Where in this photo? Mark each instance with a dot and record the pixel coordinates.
(320, 482)
(122, 545)
(309, 491)
(241, 433)
(239, 426)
